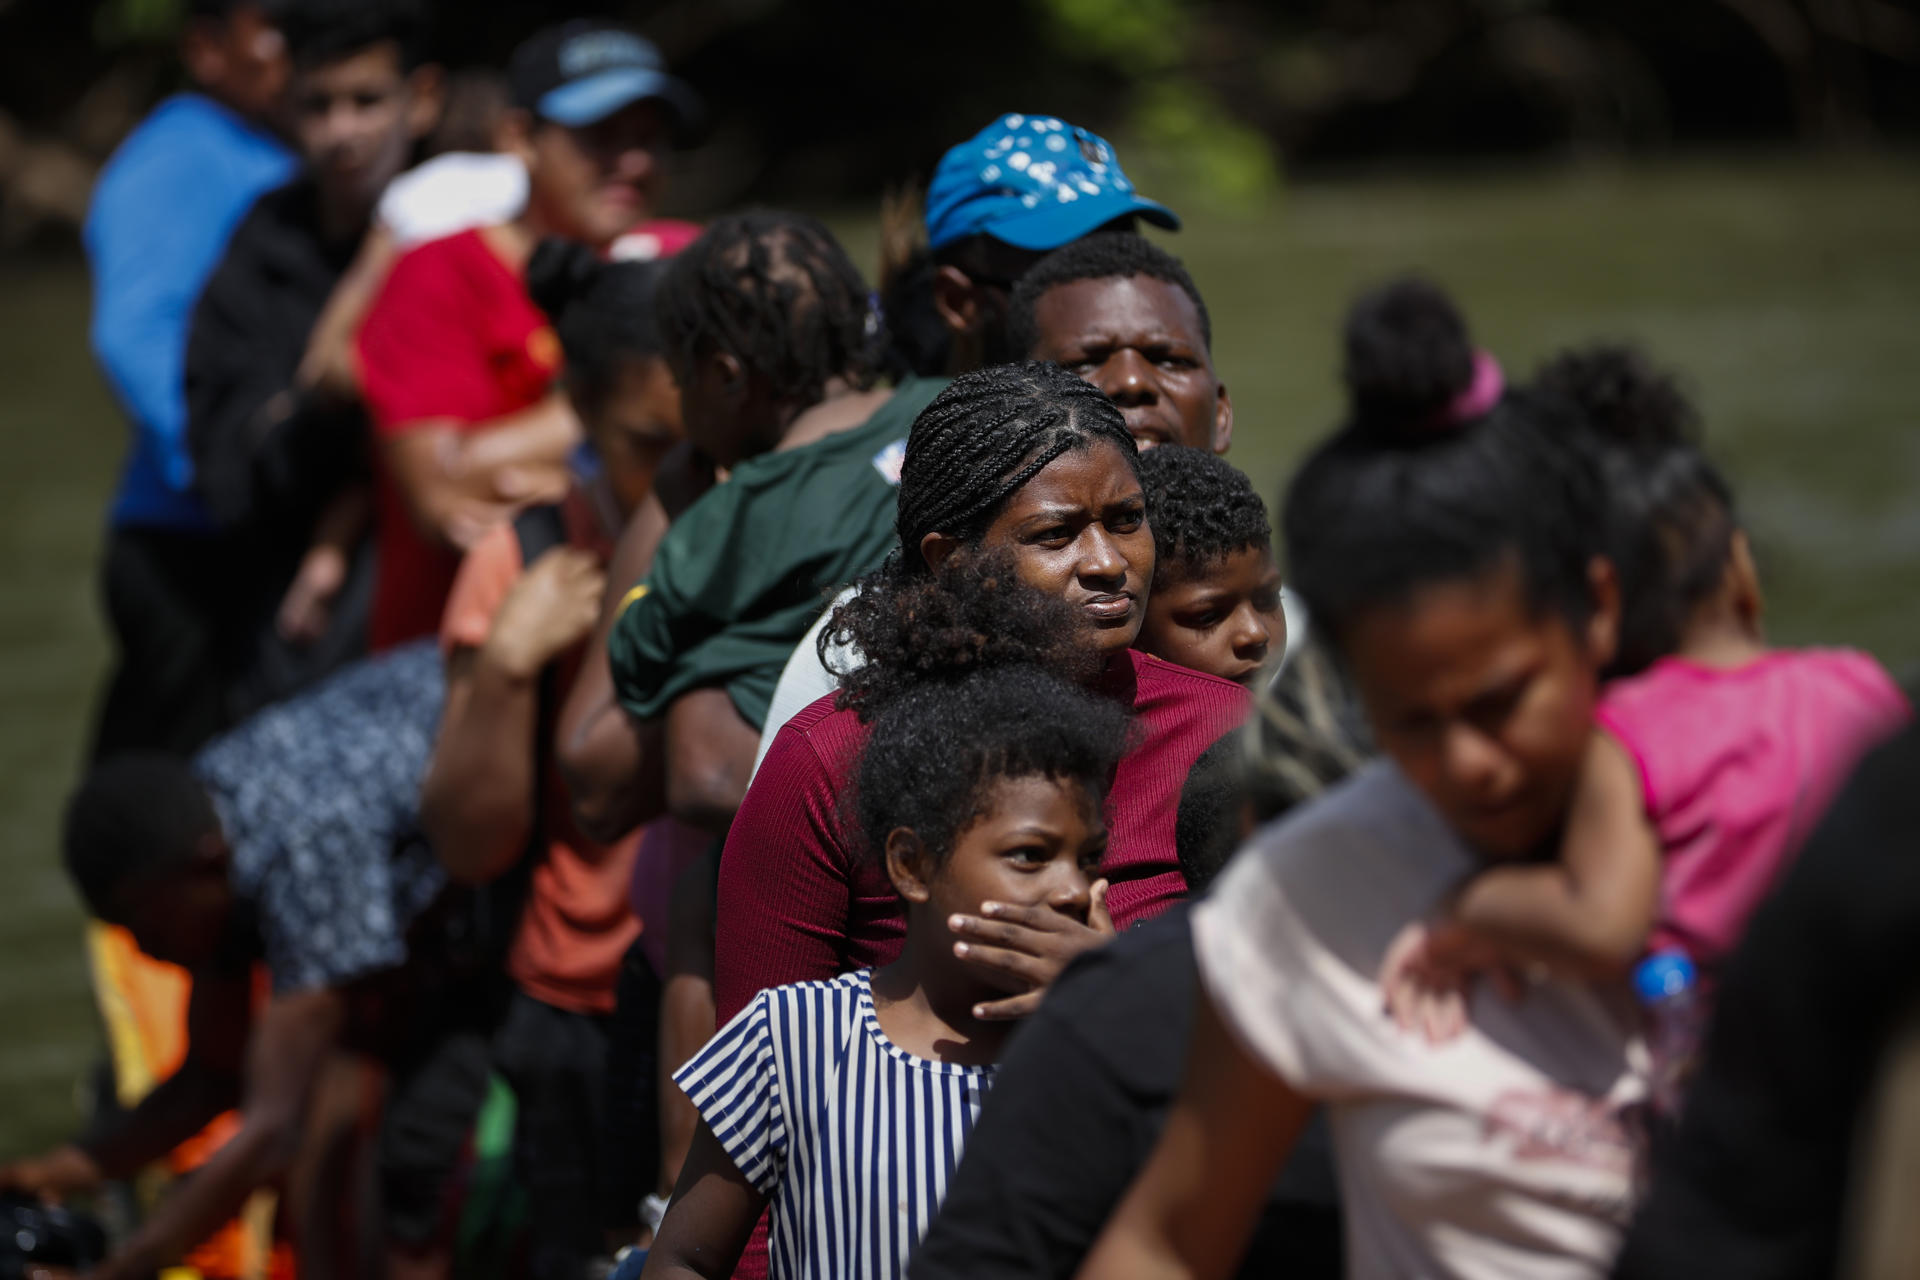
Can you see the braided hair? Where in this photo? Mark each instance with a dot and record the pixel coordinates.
(985, 436)
(777, 292)
(602, 311)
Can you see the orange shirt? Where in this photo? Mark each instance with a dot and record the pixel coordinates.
(577, 923)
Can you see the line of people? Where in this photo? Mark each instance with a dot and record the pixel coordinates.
(775, 725)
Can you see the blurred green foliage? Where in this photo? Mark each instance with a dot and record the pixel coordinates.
(1180, 135)
(125, 22)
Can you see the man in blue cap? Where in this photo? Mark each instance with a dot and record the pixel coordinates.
(999, 202)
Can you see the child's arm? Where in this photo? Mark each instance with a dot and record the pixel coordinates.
(711, 1219)
(1589, 912)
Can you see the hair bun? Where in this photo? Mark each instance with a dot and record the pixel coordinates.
(559, 274)
(1623, 396)
(1407, 356)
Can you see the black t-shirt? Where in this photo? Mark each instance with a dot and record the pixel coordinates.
(1076, 1108)
(1758, 1178)
(264, 457)
(268, 459)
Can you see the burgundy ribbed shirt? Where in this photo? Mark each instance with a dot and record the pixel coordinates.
(798, 902)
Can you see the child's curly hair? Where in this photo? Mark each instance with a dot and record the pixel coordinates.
(937, 751)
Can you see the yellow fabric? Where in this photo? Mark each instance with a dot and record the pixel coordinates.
(143, 1003)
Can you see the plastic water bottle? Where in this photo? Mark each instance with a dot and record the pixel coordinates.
(1669, 987)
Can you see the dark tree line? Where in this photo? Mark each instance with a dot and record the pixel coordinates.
(816, 99)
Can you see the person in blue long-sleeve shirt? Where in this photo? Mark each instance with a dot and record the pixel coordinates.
(158, 223)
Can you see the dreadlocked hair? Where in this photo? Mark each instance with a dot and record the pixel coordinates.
(777, 292)
(985, 436)
(971, 614)
(936, 755)
(1674, 513)
(133, 816)
(602, 311)
(1202, 509)
(1105, 255)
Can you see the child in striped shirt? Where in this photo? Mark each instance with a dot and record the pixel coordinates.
(844, 1104)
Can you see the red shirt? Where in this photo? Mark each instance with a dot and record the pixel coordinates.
(797, 901)
(451, 337)
(577, 923)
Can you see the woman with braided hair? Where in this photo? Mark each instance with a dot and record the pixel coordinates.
(1023, 537)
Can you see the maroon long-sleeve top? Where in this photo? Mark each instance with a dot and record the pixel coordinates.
(799, 902)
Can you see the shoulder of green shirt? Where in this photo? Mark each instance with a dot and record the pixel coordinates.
(896, 415)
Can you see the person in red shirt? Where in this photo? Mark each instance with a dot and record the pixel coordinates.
(457, 364)
(1020, 466)
(515, 634)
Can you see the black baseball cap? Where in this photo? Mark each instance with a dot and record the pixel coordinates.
(581, 72)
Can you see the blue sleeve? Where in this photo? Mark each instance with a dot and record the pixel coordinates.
(733, 1083)
(159, 219)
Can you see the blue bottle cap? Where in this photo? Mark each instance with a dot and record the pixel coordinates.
(1663, 975)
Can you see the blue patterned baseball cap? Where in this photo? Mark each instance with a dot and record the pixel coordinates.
(1035, 182)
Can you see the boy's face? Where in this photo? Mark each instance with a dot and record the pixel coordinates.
(1139, 340)
(1223, 618)
(357, 118)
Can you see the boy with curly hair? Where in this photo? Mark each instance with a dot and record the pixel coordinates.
(1216, 601)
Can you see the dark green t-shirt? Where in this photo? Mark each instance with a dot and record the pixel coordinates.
(744, 571)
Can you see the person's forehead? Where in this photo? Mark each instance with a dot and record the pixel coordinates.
(1117, 305)
(1099, 468)
(1449, 641)
(1035, 801)
(1243, 571)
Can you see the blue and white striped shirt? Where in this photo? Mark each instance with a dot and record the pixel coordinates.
(851, 1137)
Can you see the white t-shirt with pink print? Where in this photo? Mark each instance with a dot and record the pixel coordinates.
(1508, 1152)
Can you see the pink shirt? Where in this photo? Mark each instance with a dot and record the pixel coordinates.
(1737, 766)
